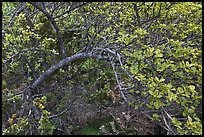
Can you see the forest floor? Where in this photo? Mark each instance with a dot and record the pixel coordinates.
(105, 117)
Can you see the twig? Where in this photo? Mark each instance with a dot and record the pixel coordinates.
(53, 116)
(68, 11)
(169, 129)
(156, 122)
(18, 93)
(116, 76)
(54, 25)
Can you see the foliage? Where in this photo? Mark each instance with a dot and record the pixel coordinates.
(45, 125)
(150, 50)
(18, 126)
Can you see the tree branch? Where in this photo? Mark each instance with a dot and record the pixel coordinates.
(61, 64)
(68, 11)
(118, 82)
(55, 28)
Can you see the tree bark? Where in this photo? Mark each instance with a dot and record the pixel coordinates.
(61, 64)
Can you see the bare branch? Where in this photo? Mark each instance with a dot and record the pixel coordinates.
(55, 28)
(68, 11)
(61, 64)
(168, 126)
(118, 82)
(56, 115)
(136, 14)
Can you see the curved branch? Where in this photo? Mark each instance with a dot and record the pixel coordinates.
(61, 64)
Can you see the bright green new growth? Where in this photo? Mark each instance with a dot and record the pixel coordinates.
(160, 45)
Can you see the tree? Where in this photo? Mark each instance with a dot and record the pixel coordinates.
(152, 47)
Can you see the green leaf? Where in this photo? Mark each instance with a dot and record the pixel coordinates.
(176, 122)
(180, 90)
(149, 106)
(157, 104)
(189, 119)
(171, 96)
(159, 55)
(192, 88)
(190, 111)
(173, 67)
(197, 119)
(155, 116)
(162, 80)
(159, 96)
